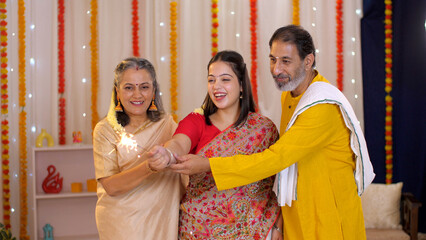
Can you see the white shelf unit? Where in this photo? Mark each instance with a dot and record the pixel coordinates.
(72, 215)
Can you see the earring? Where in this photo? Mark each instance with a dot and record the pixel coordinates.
(153, 108)
(241, 95)
(118, 108)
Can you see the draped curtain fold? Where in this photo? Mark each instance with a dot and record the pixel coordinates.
(193, 47)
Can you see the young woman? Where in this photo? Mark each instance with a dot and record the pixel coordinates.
(135, 201)
(226, 125)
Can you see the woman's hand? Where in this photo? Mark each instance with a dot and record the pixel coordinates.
(277, 229)
(191, 164)
(159, 158)
(276, 235)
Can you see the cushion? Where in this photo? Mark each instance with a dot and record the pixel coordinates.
(381, 205)
(386, 234)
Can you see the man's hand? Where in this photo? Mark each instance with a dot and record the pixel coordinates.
(191, 164)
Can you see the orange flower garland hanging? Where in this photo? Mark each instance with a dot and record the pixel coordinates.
(61, 71)
(339, 44)
(94, 60)
(135, 28)
(4, 113)
(215, 26)
(22, 124)
(296, 12)
(173, 61)
(388, 90)
(253, 43)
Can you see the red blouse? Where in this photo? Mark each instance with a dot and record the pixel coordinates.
(194, 126)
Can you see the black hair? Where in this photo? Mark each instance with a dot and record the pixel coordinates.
(236, 62)
(298, 36)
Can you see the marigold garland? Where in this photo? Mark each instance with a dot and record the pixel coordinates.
(339, 44)
(94, 60)
(388, 90)
(296, 12)
(61, 71)
(215, 26)
(173, 61)
(22, 123)
(253, 43)
(4, 112)
(135, 28)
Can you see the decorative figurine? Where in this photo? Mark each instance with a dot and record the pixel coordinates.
(44, 135)
(52, 183)
(76, 137)
(48, 232)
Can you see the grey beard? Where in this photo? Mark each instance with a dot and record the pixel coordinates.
(293, 83)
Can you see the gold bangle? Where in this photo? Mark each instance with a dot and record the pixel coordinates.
(150, 170)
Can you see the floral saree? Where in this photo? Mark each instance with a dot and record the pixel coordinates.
(246, 212)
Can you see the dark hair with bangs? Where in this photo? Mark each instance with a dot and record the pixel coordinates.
(236, 62)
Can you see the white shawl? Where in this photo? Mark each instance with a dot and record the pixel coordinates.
(319, 93)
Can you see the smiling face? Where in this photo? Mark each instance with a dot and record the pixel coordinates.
(135, 92)
(287, 68)
(223, 86)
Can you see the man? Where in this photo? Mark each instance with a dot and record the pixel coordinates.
(321, 153)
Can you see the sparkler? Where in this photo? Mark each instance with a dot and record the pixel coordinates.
(127, 141)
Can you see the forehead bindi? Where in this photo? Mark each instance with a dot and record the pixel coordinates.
(136, 77)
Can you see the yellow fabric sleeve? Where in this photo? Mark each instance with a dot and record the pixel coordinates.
(314, 129)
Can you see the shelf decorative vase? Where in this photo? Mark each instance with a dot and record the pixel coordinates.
(53, 182)
(44, 135)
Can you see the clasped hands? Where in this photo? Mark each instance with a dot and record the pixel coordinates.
(160, 158)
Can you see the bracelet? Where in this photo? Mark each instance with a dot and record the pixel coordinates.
(172, 157)
(150, 170)
(277, 228)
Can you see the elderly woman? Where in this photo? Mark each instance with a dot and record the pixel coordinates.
(135, 201)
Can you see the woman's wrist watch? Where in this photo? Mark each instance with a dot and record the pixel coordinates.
(277, 228)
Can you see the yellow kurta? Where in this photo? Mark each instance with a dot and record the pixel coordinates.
(327, 205)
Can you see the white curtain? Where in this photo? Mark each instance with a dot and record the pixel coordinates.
(194, 52)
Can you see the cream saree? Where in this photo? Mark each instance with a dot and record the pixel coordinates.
(150, 211)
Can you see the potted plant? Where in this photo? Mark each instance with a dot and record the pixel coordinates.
(5, 234)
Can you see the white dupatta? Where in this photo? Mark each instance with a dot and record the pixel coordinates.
(285, 185)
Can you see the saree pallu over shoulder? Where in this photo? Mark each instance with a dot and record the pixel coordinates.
(246, 212)
(149, 211)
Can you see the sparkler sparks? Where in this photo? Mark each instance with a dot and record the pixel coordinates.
(127, 141)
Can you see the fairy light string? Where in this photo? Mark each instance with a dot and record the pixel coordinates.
(173, 59)
(135, 28)
(4, 113)
(296, 12)
(94, 65)
(215, 26)
(339, 44)
(23, 202)
(388, 90)
(253, 43)
(61, 72)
